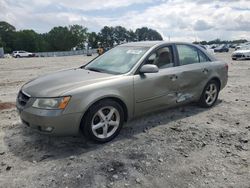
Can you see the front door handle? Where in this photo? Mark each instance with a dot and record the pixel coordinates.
(205, 71)
(173, 77)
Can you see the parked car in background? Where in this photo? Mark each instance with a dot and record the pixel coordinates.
(222, 48)
(233, 45)
(18, 54)
(125, 82)
(241, 54)
(213, 46)
(243, 45)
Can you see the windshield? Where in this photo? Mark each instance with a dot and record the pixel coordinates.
(118, 60)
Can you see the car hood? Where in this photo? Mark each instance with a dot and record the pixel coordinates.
(55, 84)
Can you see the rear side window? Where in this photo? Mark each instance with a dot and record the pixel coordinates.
(190, 55)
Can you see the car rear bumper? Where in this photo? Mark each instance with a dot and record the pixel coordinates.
(51, 121)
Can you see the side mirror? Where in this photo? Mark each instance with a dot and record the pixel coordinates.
(148, 68)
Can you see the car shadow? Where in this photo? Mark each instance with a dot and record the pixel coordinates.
(34, 147)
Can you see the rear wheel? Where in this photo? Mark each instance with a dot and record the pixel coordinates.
(103, 121)
(210, 94)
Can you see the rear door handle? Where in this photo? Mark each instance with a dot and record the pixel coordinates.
(173, 77)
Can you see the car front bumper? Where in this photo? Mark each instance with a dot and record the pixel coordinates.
(48, 123)
(53, 122)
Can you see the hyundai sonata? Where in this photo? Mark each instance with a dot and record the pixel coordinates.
(127, 81)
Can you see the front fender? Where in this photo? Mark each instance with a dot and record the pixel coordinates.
(83, 98)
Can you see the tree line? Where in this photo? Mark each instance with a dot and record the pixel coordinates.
(62, 38)
(218, 41)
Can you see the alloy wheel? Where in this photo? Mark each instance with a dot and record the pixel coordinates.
(105, 122)
(211, 94)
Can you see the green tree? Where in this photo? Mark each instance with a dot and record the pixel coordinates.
(93, 39)
(60, 39)
(65, 38)
(42, 42)
(144, 33)
(120, 34)
(7, 32)
(6, 27)
(1, 42)
(26, 40)
(131, 36)
(79, 35)
(106, 36)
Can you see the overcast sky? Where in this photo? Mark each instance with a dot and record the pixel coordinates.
(182, 20)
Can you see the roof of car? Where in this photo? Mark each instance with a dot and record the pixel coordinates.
(151, 43)
(158, 43)
(144, 43)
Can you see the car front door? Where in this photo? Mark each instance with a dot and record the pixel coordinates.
(21, 53)
(157, 90)
(25, 54)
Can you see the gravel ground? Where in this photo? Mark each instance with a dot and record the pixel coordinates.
(181, 147)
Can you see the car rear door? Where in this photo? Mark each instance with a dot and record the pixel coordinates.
(195, 69)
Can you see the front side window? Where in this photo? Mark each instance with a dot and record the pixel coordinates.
(118, 60)
(163, 58)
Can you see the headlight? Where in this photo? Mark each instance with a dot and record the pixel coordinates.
(51, 103)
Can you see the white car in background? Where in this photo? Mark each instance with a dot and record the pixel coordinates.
(18, 54)
(243, 45)
(241, 54)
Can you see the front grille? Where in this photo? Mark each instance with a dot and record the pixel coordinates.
(22, 98)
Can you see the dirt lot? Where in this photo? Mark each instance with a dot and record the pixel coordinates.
(182, 147)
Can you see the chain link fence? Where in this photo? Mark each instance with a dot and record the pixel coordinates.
(66, 53)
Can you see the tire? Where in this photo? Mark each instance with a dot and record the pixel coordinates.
(211, 91)
(99, 124)
(18, 56)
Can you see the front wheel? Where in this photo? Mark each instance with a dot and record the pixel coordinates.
(103, 121)
(210, 94)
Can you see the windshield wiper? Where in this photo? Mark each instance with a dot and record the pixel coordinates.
(93, 69)
(100, 70)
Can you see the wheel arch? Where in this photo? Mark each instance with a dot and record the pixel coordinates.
(114, 98)
(217, 80)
